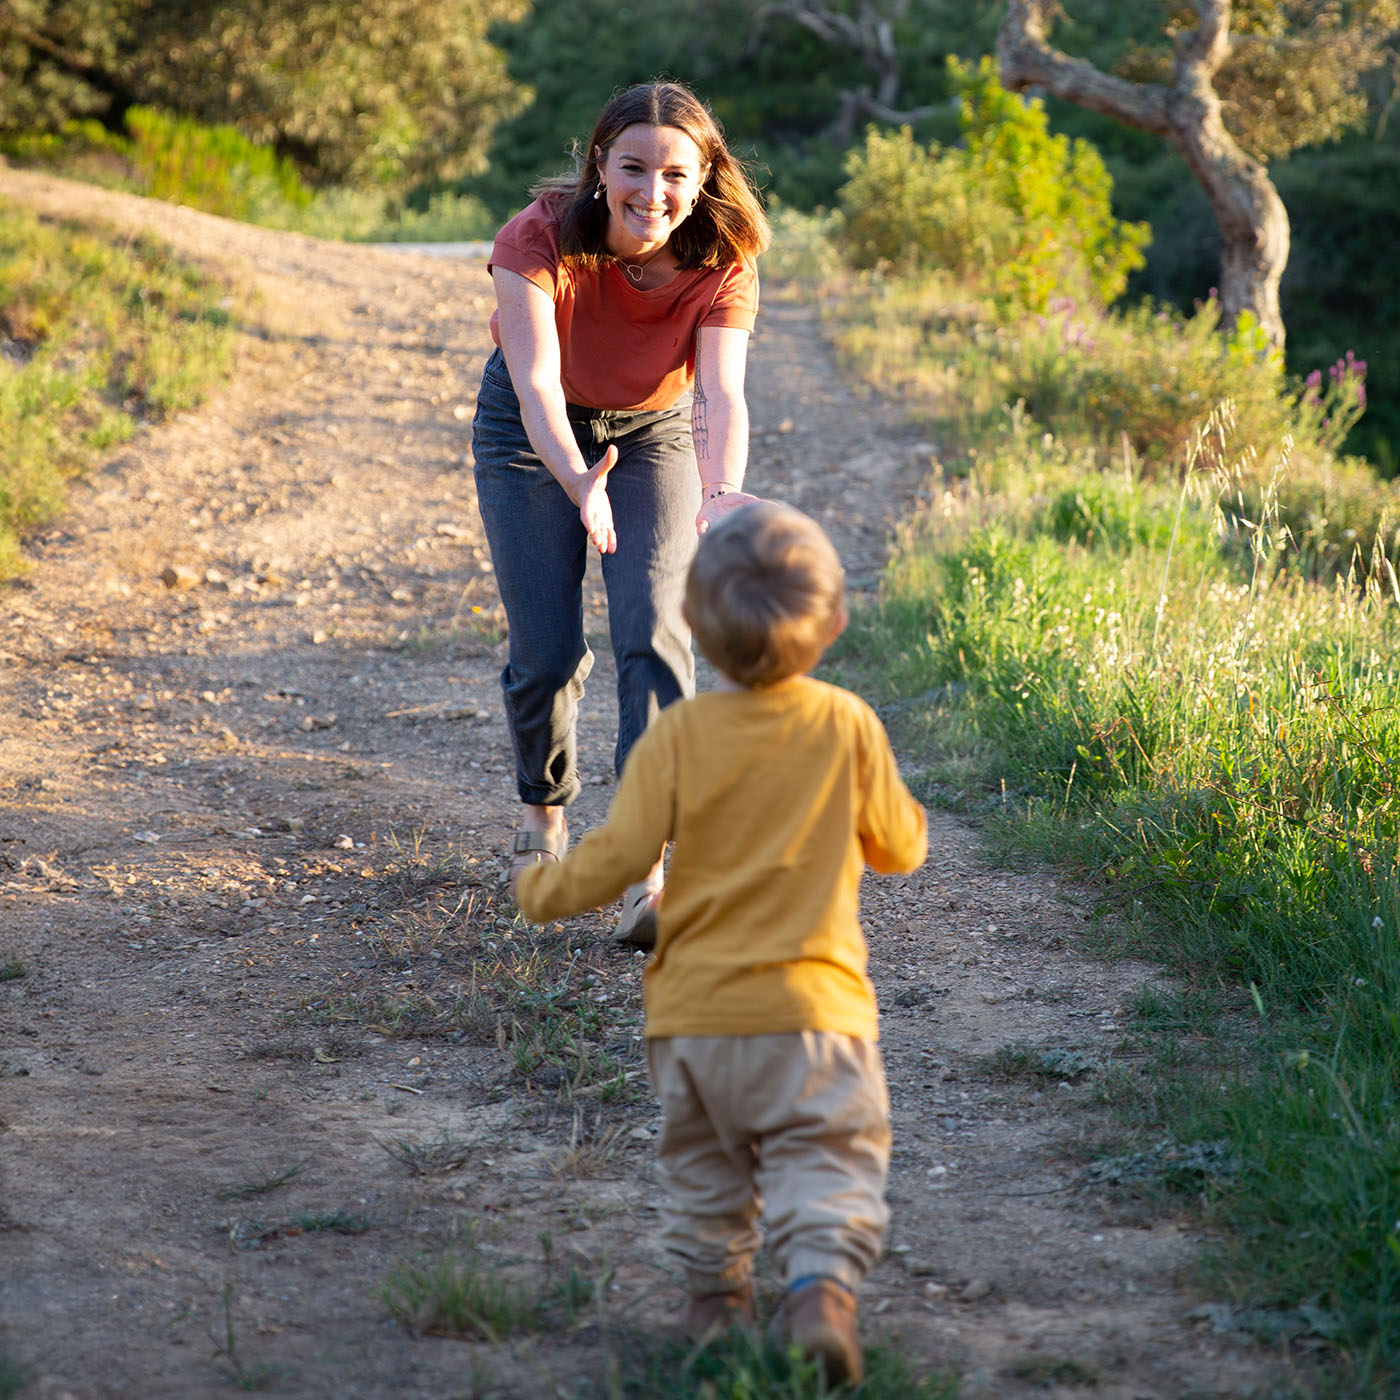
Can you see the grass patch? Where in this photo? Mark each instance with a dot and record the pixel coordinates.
(1047, 1371)
(234, 1366)
(443, 1153)
(1053, 1065)
(253, 1234)
(461, 1291)
(741, 1367)
(468, 969)
(12, 969)
(98, 332)
(260, 1186)
(1154, 637)
(1187, 718)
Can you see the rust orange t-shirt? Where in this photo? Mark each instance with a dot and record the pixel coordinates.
(622, 346)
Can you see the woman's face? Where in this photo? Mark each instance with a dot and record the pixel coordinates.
(653, 175)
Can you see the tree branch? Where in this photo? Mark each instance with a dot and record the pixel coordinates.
(120, 93)
(1027, 59)
(1252, 220)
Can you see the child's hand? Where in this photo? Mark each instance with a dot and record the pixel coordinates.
(719, 506)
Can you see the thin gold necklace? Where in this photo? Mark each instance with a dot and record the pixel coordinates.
(636, 270)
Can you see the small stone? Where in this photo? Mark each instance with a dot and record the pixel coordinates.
(640, 1134)
(935, 1292)
(180, 576)
(461, 712)
(146, 838)
(226, 737)
(785, 426)
(975, 1290)
(344, 843)
(314, 722)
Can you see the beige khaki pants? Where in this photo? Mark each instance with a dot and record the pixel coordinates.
(792, 1129)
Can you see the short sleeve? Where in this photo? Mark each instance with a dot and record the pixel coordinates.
(735, 304)
(529, 245)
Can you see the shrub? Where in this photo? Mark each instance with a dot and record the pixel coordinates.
(1019, 213)
(214, 168)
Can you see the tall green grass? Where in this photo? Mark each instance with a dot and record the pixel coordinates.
(98, 332)
(1161, 695)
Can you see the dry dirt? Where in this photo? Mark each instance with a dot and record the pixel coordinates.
(249, 832)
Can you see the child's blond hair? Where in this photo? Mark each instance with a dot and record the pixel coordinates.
(765, 594)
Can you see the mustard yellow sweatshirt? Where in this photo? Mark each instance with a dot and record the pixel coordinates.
(775, 799)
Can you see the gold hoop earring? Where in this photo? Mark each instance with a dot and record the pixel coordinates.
(599, 192)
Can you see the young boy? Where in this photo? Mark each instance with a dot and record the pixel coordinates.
(761, 1022)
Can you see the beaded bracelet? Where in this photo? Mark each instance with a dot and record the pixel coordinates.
(711, 489)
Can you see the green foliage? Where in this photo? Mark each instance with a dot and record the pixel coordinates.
(1338, 292)
(386, 93)
(1210, 732)
(740, 1367)
(1294, 73)
(466, 1290)
(97, 333)
(776, 88)
(214, 168)
(1017, 212)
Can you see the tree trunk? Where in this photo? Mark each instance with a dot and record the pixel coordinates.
(1248, 211)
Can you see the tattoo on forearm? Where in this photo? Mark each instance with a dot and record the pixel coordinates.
(700, 418)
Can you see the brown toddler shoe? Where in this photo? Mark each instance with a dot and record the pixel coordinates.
(823, 1323)
(709, 1314)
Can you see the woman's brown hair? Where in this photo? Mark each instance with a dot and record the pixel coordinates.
(727, 224)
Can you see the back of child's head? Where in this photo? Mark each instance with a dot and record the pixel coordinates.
(765, 594)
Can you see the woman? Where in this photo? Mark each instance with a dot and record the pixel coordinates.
(612, 412)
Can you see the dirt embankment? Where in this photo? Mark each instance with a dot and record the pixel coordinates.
(249, 829)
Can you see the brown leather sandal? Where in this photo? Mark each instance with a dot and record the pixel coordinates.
(531, 847)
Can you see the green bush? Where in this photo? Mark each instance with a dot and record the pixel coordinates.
(1211, 736)
(1019, 213)
(214, 168)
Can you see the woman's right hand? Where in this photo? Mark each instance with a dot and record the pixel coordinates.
(590, 495)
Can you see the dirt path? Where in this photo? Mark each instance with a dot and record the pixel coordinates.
(249, 830)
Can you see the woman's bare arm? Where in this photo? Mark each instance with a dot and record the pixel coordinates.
(719, 421)
(530, 343)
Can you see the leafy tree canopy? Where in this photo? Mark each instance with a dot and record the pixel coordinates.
(389, 91)
(1294, 73)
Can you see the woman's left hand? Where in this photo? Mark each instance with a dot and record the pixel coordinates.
(716, 507)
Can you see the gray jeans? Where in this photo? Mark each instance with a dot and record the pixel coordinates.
(539, 551)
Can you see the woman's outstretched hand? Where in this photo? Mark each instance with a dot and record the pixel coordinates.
(718, 506)
(594, 508)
